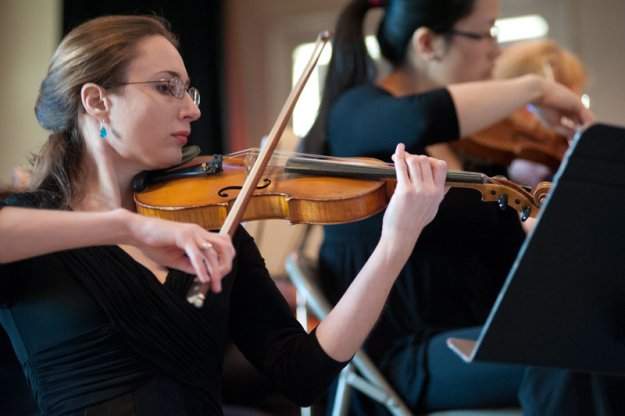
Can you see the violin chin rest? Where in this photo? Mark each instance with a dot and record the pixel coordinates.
(188, 153)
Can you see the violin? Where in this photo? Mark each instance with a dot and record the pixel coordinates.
(300, 188)
(521, 136)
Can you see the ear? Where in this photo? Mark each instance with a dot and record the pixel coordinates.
(426, 43)
(95, 100)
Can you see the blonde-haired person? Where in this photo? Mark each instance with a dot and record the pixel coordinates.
(93, 295)
(543, 57)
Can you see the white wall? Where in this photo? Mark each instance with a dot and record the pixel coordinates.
(29, 32)
(601, 42)
(592, 29)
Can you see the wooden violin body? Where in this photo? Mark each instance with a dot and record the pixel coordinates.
(206, 200)
(304, 190)
(521, 136)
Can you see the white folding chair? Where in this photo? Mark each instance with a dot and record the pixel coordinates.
(360, 374)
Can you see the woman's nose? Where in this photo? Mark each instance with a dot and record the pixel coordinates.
(191, 110)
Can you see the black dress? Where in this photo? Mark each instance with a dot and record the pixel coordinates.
(92, 327)
(461, 259)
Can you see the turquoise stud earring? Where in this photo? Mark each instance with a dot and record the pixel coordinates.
(103, 131)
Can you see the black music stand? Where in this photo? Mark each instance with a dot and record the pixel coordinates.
(563, 303)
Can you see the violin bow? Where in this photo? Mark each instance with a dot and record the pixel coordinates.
(198, 290)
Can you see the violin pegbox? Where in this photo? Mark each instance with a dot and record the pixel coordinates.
(508, 193)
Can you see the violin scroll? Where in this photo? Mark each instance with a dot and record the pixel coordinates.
(504, 192)
(541, 190)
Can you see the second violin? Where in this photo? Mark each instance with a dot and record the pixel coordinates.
(521, 136)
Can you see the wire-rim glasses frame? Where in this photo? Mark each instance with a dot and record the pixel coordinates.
(175, 87)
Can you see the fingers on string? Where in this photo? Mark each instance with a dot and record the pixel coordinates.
(420, 170)
(401, 170)
(440, 171)
(425, 168)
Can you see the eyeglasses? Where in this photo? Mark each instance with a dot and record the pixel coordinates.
(492, 34)
(175, 87)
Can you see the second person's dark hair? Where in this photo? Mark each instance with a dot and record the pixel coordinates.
(351, 65)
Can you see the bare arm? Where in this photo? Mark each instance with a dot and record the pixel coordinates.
(26, 232)
(481, 104)
(420, 189)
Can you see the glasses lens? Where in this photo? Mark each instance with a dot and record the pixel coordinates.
(176, 86)
(195, 95)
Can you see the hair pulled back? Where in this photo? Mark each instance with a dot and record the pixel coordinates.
(351, 64)
(97, 51)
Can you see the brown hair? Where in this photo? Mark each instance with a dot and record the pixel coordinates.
(97, 51)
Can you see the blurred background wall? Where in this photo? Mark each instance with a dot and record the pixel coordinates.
(258, 41)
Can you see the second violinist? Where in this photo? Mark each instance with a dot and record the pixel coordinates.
(438, 51)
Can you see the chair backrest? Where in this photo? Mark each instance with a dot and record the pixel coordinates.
(302, 271)
(361, 374)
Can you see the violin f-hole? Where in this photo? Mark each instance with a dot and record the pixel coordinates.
(223, 191)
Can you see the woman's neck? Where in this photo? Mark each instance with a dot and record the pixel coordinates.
(106, 185)
(407, 80)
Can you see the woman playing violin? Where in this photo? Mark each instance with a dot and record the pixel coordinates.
(93, 294)
(458, 266)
